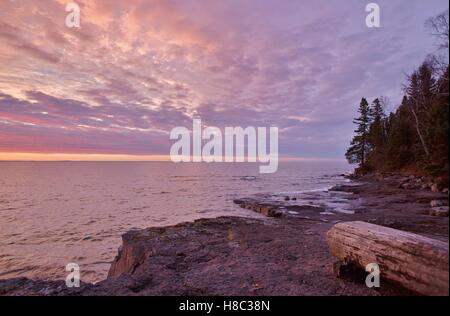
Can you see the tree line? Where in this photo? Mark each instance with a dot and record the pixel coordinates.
(415, 136)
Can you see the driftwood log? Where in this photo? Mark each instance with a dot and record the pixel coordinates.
(415, 262)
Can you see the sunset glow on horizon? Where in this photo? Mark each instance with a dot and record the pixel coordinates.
(79, 157)
(16, 156)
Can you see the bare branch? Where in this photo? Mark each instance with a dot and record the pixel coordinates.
(438, 26)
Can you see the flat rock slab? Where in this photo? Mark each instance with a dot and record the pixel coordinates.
(222, 256)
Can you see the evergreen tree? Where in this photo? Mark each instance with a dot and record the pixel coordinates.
(436, 128)
(377, 135)
(359, 146)
(400, 138)
(377, 131)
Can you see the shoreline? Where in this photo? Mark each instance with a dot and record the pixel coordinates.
(282, 254)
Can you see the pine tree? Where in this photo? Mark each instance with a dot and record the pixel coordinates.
(400, 138)
(377, 132)
(436, 128)
(359, 146)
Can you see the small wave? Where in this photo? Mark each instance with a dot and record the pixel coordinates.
(343, 211)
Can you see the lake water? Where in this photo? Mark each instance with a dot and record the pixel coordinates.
(53, 213)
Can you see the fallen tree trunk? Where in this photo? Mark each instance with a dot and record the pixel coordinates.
(417, 263)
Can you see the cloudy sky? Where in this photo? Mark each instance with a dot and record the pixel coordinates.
(137, 68)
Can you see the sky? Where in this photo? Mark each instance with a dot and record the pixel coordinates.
(136, 69)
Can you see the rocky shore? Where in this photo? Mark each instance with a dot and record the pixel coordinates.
(283, 254)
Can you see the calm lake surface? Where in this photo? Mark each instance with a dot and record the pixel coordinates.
(53, 213)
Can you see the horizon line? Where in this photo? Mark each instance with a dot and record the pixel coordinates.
(61, 157)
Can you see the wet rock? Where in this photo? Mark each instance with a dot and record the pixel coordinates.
(441, 211)
(346, 188)
(27, 287)
(351, 176)
(269, 210)
(238, 201)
